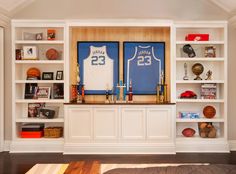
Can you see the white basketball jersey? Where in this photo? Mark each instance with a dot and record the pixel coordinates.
(98, 69)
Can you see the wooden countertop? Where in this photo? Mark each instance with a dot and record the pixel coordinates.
(134, 103)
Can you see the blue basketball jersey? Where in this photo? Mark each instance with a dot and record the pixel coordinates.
(143, 69)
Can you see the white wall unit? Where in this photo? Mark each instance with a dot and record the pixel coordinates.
(19, 79)
(218, 38)
(119, 129)
(1, 89)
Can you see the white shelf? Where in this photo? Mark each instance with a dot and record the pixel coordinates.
(39, 42)
(188, 120)
(41, 139)
(39, 81)
(199, 100)
(38, 120)
(198, 138)
(39, 101)
(200, 59)
(198, 81)
(39, 61)
(200, 42)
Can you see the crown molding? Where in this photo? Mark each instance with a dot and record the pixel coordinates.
(222, 6)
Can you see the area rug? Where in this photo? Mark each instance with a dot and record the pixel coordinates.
(61, 168)
(182, 169)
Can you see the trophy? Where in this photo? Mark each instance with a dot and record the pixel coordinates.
(209, 75)
(197, 69)
(161, 90)
(185, 72)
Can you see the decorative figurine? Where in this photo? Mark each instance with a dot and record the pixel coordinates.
(209, 75)
(197, 69)
(185, 72)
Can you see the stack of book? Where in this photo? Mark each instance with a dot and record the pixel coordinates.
(32, 130)
(208, 91)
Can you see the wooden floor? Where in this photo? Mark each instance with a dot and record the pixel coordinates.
(20, 163)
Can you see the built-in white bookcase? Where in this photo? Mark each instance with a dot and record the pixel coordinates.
(19, 79)
(218, 65)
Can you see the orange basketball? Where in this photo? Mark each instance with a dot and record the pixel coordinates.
(52, 54)
(209, 111)
(33, 72)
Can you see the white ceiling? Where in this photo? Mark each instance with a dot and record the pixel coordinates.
(11, 5)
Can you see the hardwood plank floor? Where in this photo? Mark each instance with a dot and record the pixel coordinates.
(20, 163)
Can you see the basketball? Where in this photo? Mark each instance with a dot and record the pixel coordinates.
(209, 111)
(52, 54)
(33, 72)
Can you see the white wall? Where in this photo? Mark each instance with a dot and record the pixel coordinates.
(159, 9)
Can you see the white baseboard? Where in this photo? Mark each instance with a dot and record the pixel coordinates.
(200, 147)
(7, 144)
(167, 148)
(36, 147)
(232, 145)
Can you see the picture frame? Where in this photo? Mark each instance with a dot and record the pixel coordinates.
(30, 53)
(30, 90)
(144, 66)
(98, 66)
(210, 51)
(29, 36)
(39, 36)
(58, 91)
(43, 92)
(47, 76)
(51, 34)
(33, 109)
(59, 75)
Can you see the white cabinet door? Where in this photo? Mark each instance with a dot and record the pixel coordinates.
(105, 123)
(133, 123)
(159, 123)
(79, 124)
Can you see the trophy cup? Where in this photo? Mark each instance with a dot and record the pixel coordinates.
(185, 72)
(197, 69)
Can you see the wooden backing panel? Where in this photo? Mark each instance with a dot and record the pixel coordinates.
(121, 34)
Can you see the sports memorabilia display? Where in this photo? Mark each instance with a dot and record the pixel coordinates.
(98, 66)
(143, 64)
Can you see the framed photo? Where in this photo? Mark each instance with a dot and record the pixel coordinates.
(34, 108)
(210, 51)
(39, 36)
(51, 34)
(43, 92)
(28, 36)
(58, 91)
(59, 75)
(98, 66)
(144, 66)
(30, 53)
(47, 76)
(30, 90)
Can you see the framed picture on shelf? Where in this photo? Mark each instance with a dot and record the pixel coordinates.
(59, 75)
(34, 108)
(30, 53)
(30, 90)
(43, 92)
(29, 36)
(210, 51)
(144, 66)
(47, 76)
(98, 66)
(58, 91)
(51, 34)
(39, 36)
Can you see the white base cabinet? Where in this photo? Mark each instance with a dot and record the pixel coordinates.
(118, 129)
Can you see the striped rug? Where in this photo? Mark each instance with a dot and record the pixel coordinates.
(61, 168)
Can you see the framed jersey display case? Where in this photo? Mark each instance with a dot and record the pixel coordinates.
(99, 66)
(144, 64)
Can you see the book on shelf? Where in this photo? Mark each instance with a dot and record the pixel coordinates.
(208, 91)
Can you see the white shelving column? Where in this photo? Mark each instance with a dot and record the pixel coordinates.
(218, 65)
(19, 79)
(1, 89)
